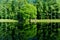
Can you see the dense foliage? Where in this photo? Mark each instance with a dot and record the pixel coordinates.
(47, 10)
(19, 10)
(27, 30)
(24, 11)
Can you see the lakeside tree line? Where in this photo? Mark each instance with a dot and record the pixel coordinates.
(23, 10)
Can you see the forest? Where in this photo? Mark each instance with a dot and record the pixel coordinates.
(29, 19)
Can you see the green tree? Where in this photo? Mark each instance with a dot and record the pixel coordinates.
(27, 11)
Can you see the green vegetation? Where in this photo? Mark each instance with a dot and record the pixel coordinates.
(25, 20)
(19, 10)
(48, 9)
(27, 11)
(45, 21)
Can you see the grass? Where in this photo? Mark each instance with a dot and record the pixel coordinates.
(8, 20)
(33, 20)
(45, 20)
